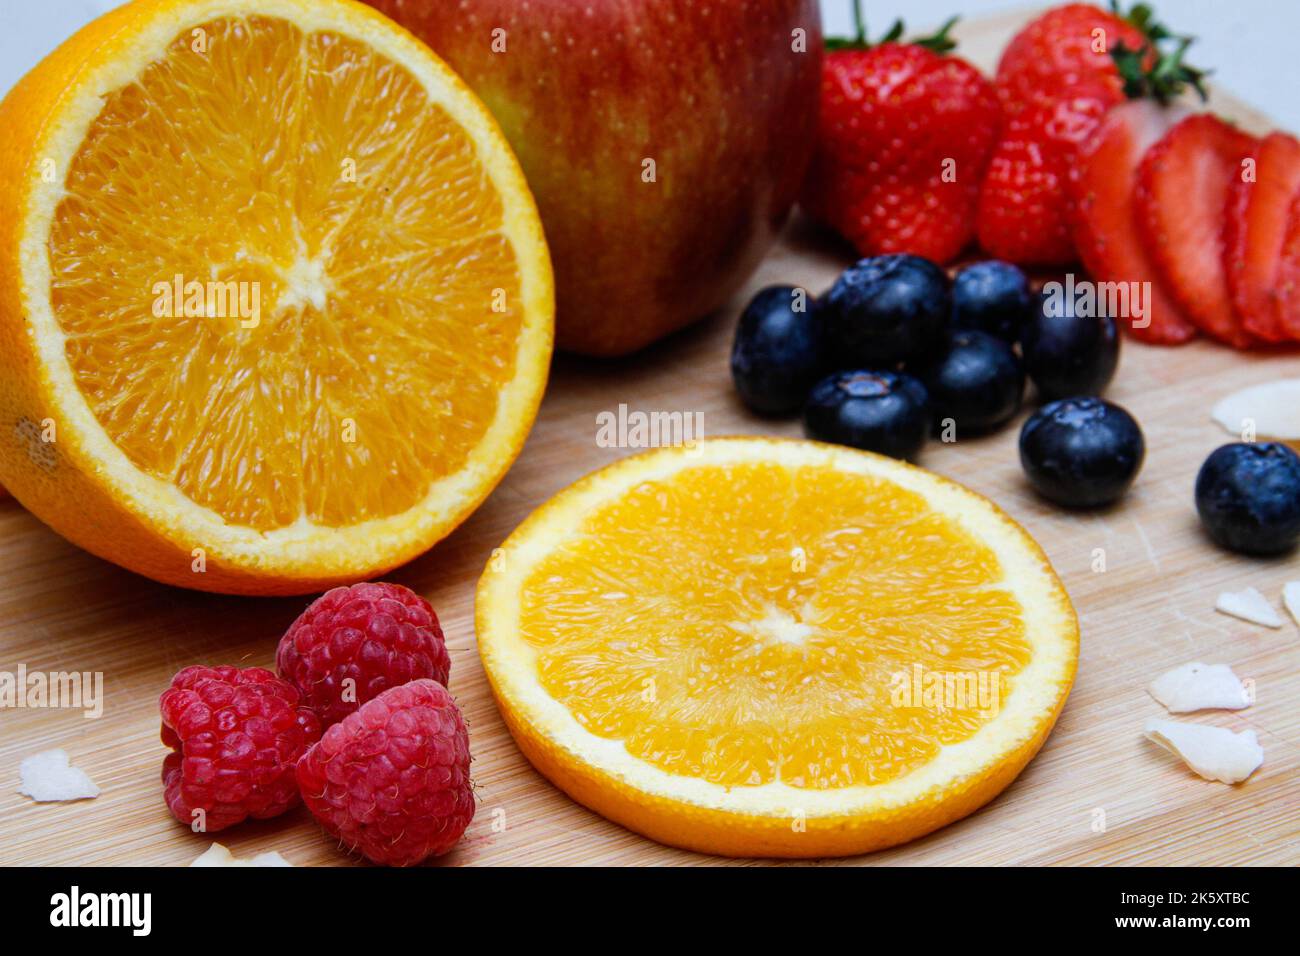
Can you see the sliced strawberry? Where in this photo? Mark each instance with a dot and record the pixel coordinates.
(1288, 276)
(1182, 192)
(1106, 234)
(1255, 230)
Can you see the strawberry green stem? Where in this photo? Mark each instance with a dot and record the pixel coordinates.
(939, 42)
(1168, 75)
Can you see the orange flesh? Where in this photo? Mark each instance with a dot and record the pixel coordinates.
(319, 174)
(740, 647)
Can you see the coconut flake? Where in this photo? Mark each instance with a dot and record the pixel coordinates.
(1249, 605)
(1267, 410)
(1291, 598)
(1199, 687)
(47, 777)
(218, 855)
(1215, 753)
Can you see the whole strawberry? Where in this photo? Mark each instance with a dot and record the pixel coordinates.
(1068, 46)
(391, 781)
(353, 643)
(235, 737)
(1058, 78)
(904, 136)
(1024, 208)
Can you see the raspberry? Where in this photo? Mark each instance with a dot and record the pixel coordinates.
(235, 737)
(392, 780)
(371, 636)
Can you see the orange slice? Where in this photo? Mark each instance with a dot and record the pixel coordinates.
(275, 303)
(775, 648)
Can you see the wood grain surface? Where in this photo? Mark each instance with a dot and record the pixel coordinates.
(1150, 610)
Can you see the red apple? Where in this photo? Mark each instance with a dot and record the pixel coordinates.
(665, 141)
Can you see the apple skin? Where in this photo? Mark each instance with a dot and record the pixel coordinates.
(714, 91)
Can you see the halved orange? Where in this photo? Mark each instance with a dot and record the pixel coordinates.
(275, 304)
(761, 647)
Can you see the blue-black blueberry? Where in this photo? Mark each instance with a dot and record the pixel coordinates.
(1248, 497)
(885, 311)
(1081, 452)
(977, 383)
(776, 355)
(1068, 354)
(992, 297)
(885, 412)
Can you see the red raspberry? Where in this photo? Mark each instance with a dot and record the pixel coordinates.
(235, 737)
(374, 636)
(392, 780)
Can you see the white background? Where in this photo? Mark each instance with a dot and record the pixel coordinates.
(1250, 44)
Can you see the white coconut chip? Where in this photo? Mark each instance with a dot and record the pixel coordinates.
(1267, 410)
(1249, 605)
(1213, 752)
(1291, 598)
(218, 855)
(1199, 687)
(48, 777)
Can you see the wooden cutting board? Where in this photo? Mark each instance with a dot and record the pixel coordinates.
(1097, 793)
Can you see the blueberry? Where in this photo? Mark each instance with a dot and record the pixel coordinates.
(992, 297)
(978, 383)
(1248, 497)
(885, 412)
(776, 355)
(1081, 452)
(1068, 354)
(886, 310)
